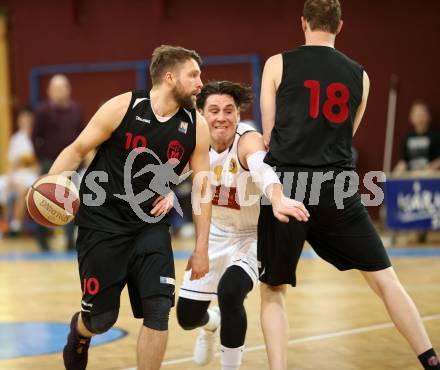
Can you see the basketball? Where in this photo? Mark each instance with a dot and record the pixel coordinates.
(53, 200)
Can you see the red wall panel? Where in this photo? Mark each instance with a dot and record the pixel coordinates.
(393, 36)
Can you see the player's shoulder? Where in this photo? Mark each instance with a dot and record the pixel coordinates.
(289, 52)
(273, 68)
(348, 59)
(115, 109)
(244, 127)
(200, 119)
(201, 125)
(274, 60)
(119, 101)
(248, 136)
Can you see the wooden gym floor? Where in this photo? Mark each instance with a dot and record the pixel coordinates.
(336, 322)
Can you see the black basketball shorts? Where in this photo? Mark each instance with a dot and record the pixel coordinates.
(345, 237)
(108, 262)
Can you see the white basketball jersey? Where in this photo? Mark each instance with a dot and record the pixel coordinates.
(236, 202)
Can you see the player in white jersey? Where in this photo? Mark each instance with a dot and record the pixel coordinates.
(236, 160)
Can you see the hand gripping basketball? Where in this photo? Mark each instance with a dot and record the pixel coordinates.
(53, 200)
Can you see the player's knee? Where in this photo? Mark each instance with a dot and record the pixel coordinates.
(267, 289)
(98, 324)
(384, 281)
(186, 322)
(230, 297)
(156, 312)
(185, 318)
(233, 288)
(190, 313)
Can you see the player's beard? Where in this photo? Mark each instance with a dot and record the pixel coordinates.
(184, 100)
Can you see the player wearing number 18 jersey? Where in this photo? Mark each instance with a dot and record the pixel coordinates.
(312, 101)
(316, 78)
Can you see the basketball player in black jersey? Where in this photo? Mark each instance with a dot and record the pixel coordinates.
(312, 102)
(125, 240)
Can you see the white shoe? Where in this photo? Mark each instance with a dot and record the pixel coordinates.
(208, 340)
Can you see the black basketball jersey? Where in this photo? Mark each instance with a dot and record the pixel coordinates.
(316, 104)
(140, 140)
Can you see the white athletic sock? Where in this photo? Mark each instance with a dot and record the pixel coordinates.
(231, 357)
(214, 319)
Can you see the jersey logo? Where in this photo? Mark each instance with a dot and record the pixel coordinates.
(233, 167)
(183, 127)
(86, 307)
(144, 120)
(167, 280)
(218, 172)
(175, 150)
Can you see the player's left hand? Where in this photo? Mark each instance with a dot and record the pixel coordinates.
(198, 263)
(284, 207)
(162, 205)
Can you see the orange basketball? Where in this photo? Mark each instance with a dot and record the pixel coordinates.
(53, 200)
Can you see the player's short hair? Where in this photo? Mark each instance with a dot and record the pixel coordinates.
(242, 94)
(323, 15)
(166, 57)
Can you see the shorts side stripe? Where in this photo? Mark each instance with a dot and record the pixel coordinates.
(247, 263)
(197, 291)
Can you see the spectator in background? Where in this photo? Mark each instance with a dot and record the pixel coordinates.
(23, 169)
(58, 122)
(421, 147)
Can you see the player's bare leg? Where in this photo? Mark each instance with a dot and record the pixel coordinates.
(151, 348)
(274, 324)
(400, 306)
(82, 330)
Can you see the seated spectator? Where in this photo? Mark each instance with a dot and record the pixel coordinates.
(421, 147)
(23, 169)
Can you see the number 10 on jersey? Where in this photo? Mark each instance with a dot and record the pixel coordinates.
(337, 96)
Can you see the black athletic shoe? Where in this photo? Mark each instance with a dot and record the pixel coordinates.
(75, 353)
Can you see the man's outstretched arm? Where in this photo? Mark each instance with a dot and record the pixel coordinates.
(251, 152)
(201, 200)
